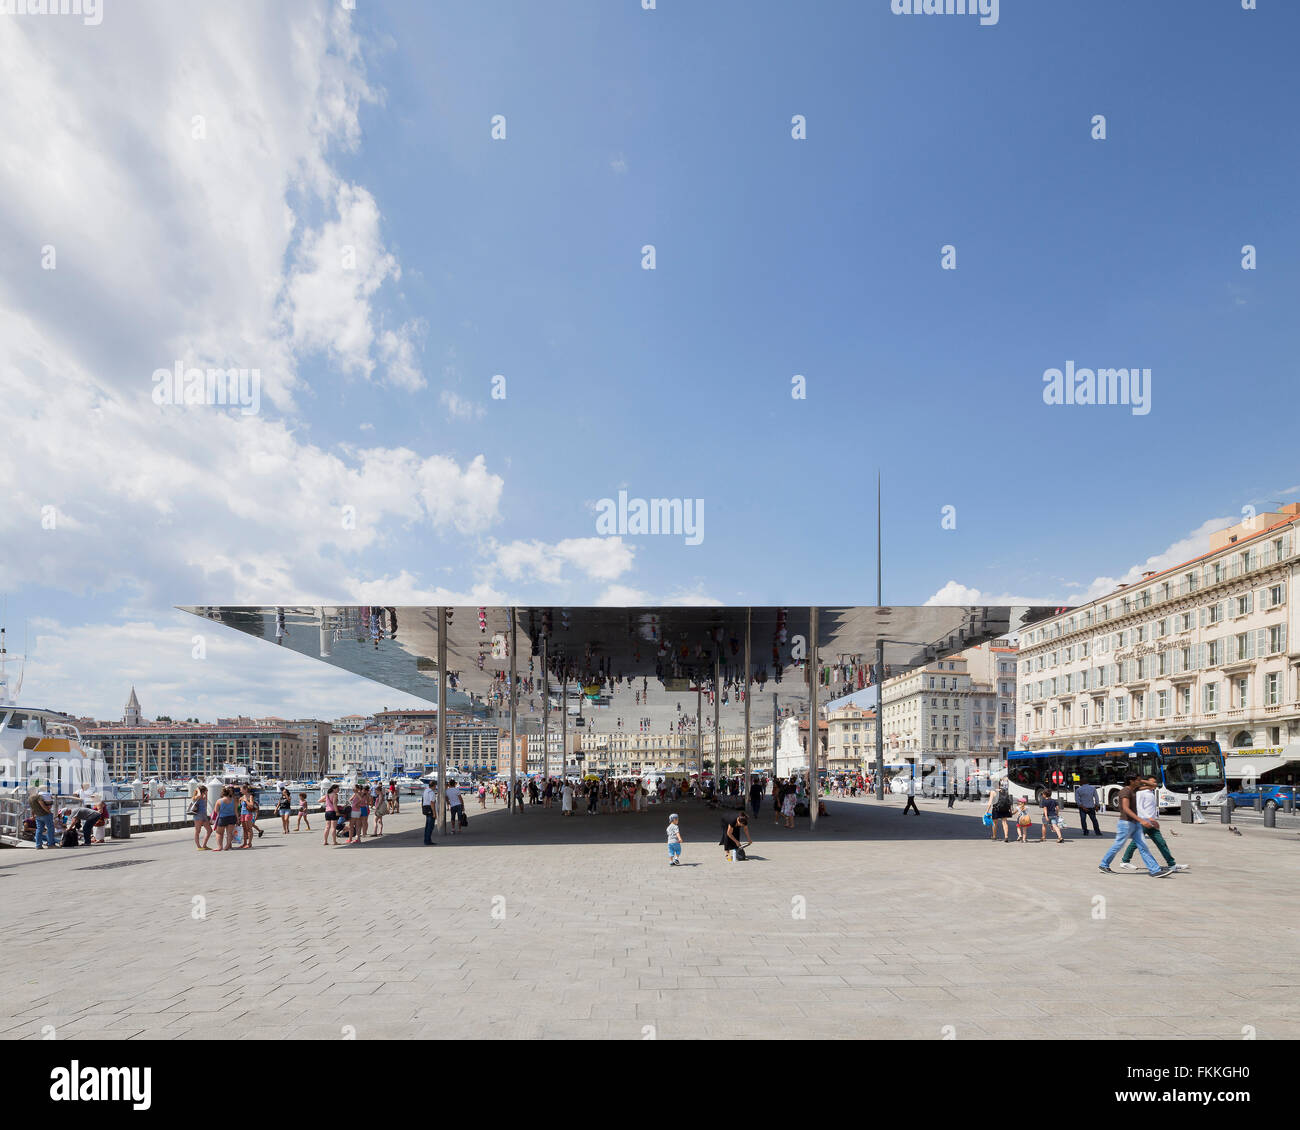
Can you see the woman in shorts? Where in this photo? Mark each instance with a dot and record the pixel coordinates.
(355, 801)
(283, 809)
(331, 803)
(226, 820)
(199, 810)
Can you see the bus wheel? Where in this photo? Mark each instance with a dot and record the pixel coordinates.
(1038, 795)
(1112, 801)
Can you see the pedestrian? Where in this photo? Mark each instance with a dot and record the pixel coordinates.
(455, 807)
(1129, 827)
(1148, 808)
(778, 800)
(952, 792)
(733, 827)
(482, 796)
(247, 815)
(787, 806)
(284, 807)
(429, 806)
(42, 806)
(198, 809)
(674, 841)
(911, 797)
(593, 795)
(227, 818)
(566, 799)
(302, 813)
(999, 810)
(756, 796)
(1023, 820)
(331, 804)
(356, 804)
(1051, 817)
(1085, 796)
(381, 810)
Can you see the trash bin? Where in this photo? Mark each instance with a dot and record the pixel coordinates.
(1186, 810)
(121, 825)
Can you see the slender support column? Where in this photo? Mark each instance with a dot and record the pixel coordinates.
(546, 699)
(749, 614)
(699, 728)
(514, 699)
(442, 718)
(564, 724)
(814, 738)
(880, 719)
(717, 706)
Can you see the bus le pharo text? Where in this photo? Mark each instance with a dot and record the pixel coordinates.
(1182, 769)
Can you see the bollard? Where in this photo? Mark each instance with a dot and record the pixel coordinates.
(1290, 801)
(1186, 807)
(1259, 801)
(1270, 817)
(1225, 811)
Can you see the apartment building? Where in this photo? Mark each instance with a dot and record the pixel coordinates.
(850, 739)
(1203, 650)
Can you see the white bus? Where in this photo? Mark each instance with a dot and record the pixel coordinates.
(1183, 768)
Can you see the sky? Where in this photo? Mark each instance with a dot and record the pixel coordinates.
(391, 212)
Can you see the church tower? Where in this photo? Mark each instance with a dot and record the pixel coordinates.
(132, 716)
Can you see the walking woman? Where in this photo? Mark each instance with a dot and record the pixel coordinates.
(331, 802)
(284, 808)
(381, 810)
(787, 808)
(202, 820)
(999, 808)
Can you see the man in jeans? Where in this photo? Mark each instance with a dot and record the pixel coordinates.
(1085, 796)
(428, 805)
(1148, 807)
(1130, 828)
(42, 805)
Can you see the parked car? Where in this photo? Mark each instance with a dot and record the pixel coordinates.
(1275, 796)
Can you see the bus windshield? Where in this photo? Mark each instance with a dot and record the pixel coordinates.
(1190, 767)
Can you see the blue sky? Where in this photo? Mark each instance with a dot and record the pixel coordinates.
(522, 257)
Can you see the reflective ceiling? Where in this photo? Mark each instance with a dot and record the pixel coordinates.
(621, 654)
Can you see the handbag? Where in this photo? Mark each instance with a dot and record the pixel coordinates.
(988, 820)
(427, 809)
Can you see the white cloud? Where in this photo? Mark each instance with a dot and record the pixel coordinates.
(458, 408)
(619, 164)
(1184, 549)
(616, 595)
(598, 559)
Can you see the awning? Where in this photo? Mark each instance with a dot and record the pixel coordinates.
(1251, 766)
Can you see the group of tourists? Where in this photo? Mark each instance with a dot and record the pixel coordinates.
(352, 814)
(59, 827)
(232, 816)
(1139, 819)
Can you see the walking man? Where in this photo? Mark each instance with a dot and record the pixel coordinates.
(1085, 796)
(429, 806)
(911, 797)
(1130, 827)
(756, 796)
(1148, 807)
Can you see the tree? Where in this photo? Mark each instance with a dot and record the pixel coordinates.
(708, 765)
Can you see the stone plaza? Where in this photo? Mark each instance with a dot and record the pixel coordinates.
(535, 925)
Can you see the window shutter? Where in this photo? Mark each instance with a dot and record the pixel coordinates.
(1250, 645)
(1200, 656)
(1282, 633)
(1202, 617)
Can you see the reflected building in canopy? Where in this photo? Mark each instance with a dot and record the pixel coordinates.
(622, 671)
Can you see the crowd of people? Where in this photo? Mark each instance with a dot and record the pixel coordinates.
(1139, 819)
